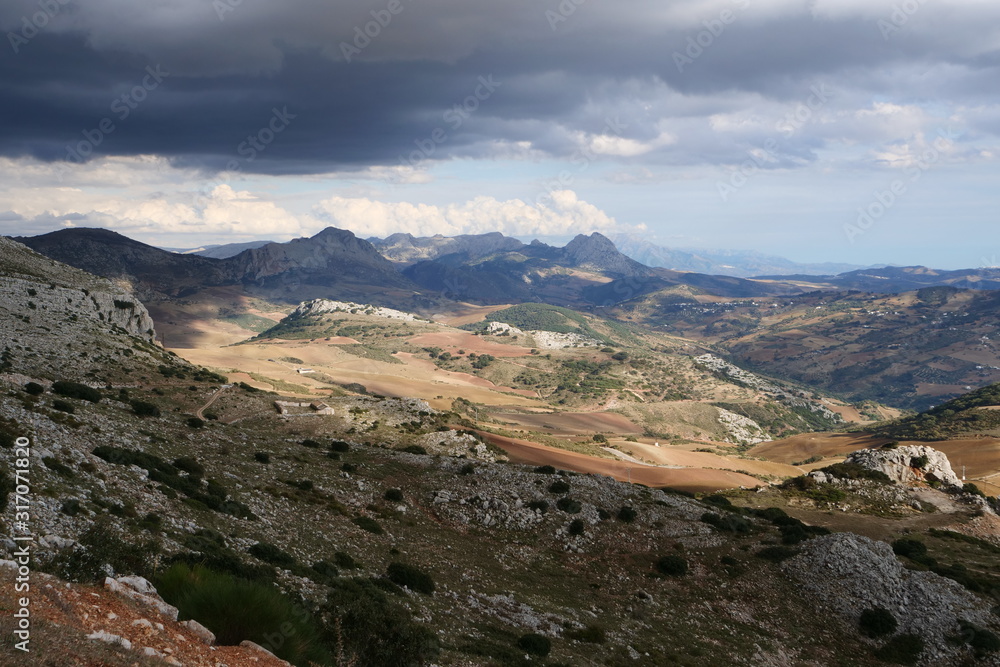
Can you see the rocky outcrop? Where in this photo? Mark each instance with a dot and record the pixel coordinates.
(909, 464)
(846, 574)
(83, 317)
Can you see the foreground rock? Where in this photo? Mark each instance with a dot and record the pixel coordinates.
(847, 574)
(908, 465)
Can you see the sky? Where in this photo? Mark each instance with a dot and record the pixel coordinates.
(861, 131)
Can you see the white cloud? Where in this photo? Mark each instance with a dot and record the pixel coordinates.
(562, 213)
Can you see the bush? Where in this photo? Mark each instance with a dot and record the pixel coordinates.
(262, 457)
(368, 630)
(63, 406)
(325, 569)
(190, 466)
(672, 565)
(311, 444)
(592, 634)
(34, 389)
(538, 505)
(913, 549)
(730, 523)
(273, 555)
(100, 547)
(369, 524)
(467, 469)
(414, 449)
(877, 622)
(545, 470)
(394, 495)
(344, 560)
(969, 487)
(919, 462)
(340, 446)
(71, 507)
(76, 390)
(981, 640)
(559, 486)
(576, 527)
(776, 554)
(569, 505)
(195, 422)
(410, 577)
(145, 408)
(535, 644)
(58, 467)
(855, 471)
(901, 650)
(600, 437)
(237, 610)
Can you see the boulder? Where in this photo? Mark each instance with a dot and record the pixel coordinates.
(901, 464)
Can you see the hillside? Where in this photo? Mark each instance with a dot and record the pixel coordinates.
(910, 350)
(372, 527)
(58, 320)
(974, 414)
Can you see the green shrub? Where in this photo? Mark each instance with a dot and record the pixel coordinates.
(71, 507)
(776, 554)
(340, 446)
(913, 549)
(195, 422)
(414, 449)
(63, 406)
(58, 467)
(592, 634)
(569, 505)
(538, 505)
(411, 577)
(730, 523)
(576, 527)
(237, 610)
(344, 560)
(919, 462)
(672, 566)
(969, 487)
(325, 569)
(535, 644)
(190, 466)
(102, 546)
(144, 408)
(349, 468)
(7, 487)
(545, 470)
(467, 469)
(369, 524)
(34, 389)
(273, 555)
(76, 390)
(311, 444)
(394, 495)
(901, 650)
(559, 486)
(855, 471)
(365, 627)
(262, 457)
(877, 622)
(981, 640)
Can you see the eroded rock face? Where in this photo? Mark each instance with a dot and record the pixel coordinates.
(907, 465)
(848, 573)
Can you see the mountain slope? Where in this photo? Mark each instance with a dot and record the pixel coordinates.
(62, 323)
(740, 264)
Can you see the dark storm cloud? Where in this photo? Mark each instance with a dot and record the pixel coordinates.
(226, 69)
